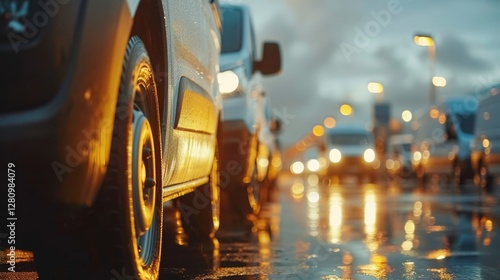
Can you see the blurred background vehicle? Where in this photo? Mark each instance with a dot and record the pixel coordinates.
(351, 151)
(104, 118)
(398, 155)
(247, 141)
(486, 145)
(443, 136)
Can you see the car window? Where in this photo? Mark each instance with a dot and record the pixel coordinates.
(349, 139)
(406, 147)
(232, 27)
(466, 122)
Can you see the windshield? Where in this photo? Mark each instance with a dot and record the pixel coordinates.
(354, 139)
(406, 147)
(231, 30)
(466, 122)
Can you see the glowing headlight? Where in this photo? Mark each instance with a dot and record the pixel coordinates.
(228, 82)
(369, 155)
(417, 156)
(313, 165)
(297, 167)
(335, 155)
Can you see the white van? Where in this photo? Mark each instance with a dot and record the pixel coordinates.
(351, 150)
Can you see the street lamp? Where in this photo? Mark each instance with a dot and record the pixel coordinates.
(346, 109)
(378, 89)
(427, 41)
(406, 115)
(439, 81)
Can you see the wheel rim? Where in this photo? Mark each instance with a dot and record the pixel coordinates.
(144, 186)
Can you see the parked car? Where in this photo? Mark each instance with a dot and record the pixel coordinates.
(351, 150)
(443, 136)
(110, 108)
(247, 139)
(398, 156)
(486, 145)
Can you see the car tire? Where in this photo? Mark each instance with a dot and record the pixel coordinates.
(200, 209)
(240, 203)
(121, 235)
(457, 175)
(485, 178)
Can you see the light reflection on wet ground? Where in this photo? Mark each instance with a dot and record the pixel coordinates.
(389, 230)
(363, 231)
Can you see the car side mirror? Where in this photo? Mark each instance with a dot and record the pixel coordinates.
(271, 59)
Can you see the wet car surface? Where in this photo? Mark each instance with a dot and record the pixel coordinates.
(311, 230)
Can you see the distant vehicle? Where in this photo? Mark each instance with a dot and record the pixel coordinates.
(247, 139)
(486, 144)
(443, 136)
(398, 155)
(351, 150)
(109, 109)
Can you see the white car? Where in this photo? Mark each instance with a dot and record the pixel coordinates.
(351, 151)
(111, 108)
(247, 138)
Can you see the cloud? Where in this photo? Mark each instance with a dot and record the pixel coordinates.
(316, 77)
(456, 54)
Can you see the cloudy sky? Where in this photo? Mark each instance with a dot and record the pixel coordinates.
(331, 49)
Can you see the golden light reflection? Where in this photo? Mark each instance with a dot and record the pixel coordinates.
(442, 118)
(313, 197)
(486, 143)
(438, 254)
(375, 87)
(486, 116)
(488, 225)
(297, 167)
(329, 122)
(370, 209)
(409, 227)
(370, 219)
(335, 221)
(442, 273)
(318, 130)
(409, 270)
(425, 41)
(313, 210)
(313, 179)
(434, 112)
(487, 241)
(378, 268)
(313, 165)
(346, 109)
(407, 245)
(264, 249)
(406, 115)
(297, 190)
(439, 81)
(276, 162)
